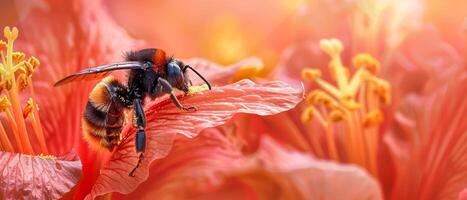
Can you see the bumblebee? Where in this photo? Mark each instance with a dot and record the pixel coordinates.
(151, 74)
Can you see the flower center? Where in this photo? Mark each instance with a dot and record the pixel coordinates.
(15, 78)
(355, 101)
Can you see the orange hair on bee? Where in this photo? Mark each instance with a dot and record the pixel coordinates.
(102, 119)
(159, 58)
(96, 143)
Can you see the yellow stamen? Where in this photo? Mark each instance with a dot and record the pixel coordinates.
(311, 74)
(4, 103)
(336, 116)
(15, 75)
(333, 48)
(328, 88)
(373, 118)
(382, 88)
(348, 103)
(10, 34)
(367, 62)
(197, 88)
(18, 56)
(45, 156)
(307, 114)
(357, 80)
(34, 62)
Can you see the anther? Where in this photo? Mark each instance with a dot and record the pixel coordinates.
(311, 74)
(373, 118)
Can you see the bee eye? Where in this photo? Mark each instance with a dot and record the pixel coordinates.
(173, 69)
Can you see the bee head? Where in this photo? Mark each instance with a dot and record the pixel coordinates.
(177, 77)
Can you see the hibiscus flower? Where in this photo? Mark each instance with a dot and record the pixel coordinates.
(88, 44)
(165, 120)
(405, 67)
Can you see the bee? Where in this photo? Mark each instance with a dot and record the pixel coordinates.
(151, 74)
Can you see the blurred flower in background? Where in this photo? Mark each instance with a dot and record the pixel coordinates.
(385, 83)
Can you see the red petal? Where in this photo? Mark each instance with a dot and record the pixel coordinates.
(33, 177)
(215, 107)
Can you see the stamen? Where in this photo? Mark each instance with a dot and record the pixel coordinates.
(311, 74)
(15, 75)
(307, 114)
(10, 34)
(18, 57)
(333, 48)
(336, 116)
(382, 88)
(367, 62)
(357, 80)
(4, 107)
(197, 88)
(45, 156)
(329, 88)
(4, 141)
(348, 103)
(373, 118)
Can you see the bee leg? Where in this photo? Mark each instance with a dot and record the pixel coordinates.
(169, 90)
(140, 138)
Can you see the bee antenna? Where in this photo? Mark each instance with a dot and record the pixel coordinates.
(206, 81)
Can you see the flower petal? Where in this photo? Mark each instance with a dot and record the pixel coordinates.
(463, 194)
(33, 177)
(212, 166)
(215, 107)
(430, 158)
(301, 176)
(68, 36)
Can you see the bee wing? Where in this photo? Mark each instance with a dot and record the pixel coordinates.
(99, 72)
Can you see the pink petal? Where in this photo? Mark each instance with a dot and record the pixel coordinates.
(165, 120)
(463, 194)
(430, 158)
(219, 105)
(316, 179)
(33, 177)
(213, 166)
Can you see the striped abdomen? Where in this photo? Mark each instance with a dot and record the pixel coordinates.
(103, 117)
